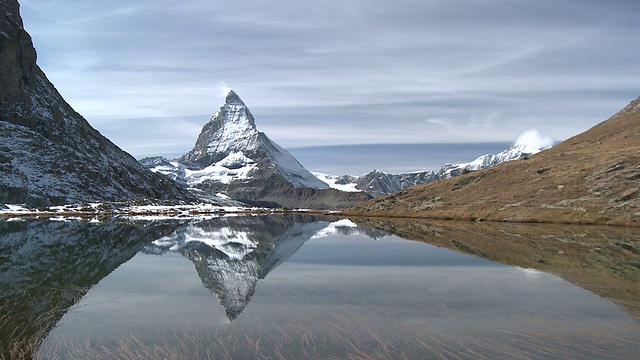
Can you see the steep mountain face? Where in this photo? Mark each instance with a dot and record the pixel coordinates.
(231, 157)
(377, 183)
(49, 154)
(593, 177)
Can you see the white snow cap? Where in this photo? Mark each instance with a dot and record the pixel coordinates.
(534, 139)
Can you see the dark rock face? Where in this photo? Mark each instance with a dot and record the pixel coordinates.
(377, 183)
(49, 154)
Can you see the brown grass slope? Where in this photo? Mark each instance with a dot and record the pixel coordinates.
(591, 178)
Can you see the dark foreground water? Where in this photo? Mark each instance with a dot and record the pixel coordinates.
(308, 287)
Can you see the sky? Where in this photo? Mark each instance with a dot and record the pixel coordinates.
(148, 74)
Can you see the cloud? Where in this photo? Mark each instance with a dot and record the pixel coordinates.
(338, 72)
(533, 138)
(444, 122)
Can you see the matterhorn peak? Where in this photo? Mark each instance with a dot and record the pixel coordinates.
(234, 113)
(233, 99)
(231, 157)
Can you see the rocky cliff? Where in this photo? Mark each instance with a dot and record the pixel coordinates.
(49, 154)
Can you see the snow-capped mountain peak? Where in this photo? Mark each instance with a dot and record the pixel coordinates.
(527, 144)
(232, 98)
(231, 157)
(231, 129)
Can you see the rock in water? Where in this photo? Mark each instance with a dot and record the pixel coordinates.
(49, 154)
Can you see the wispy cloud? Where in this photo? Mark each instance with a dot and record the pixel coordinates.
(337, 72)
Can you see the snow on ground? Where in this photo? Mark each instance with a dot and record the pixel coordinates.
(236, 166)
(88, 212)
(15, 209)
(332, 181)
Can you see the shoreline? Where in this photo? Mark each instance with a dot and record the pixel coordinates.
(206, 210)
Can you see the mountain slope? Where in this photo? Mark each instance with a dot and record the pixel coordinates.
(49, 154)
(231, 157)
(593, 177)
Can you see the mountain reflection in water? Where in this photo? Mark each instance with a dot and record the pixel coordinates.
(232, 254)
(337, 296)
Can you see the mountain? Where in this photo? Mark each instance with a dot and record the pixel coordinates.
(233, 159)
(526, 145)
(593, 177)
(49, 154)
(377, 183)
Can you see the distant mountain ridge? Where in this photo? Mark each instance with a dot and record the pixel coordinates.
(49, 154)
(231, 158)
(377, 183)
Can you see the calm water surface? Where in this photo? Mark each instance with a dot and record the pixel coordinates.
(285, 287)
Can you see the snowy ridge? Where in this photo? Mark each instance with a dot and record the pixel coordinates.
(290, 168)
(235, 166)
(527, 144)
(378, 183)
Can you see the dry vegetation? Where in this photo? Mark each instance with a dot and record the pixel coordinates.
(591, 178)
(26, 320)
(345, 336)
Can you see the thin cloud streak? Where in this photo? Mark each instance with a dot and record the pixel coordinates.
(340, 72)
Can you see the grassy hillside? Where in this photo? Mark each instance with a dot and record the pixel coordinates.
(591, 178)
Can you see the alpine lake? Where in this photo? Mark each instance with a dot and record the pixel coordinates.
(302, 286)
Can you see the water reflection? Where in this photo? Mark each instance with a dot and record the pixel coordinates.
(232, 254)
(318, 286)
(604, 260)
(47, 266)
